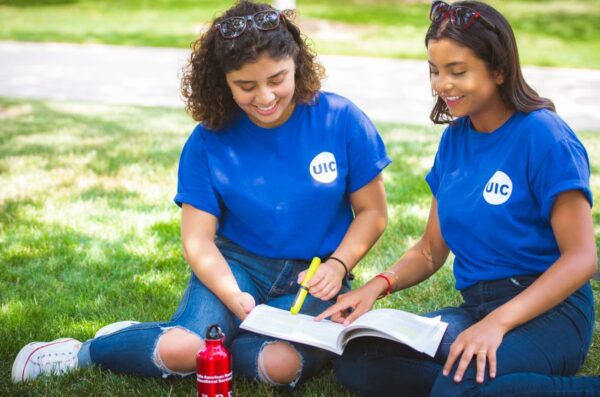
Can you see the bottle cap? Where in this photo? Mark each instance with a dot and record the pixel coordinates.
(213, 332)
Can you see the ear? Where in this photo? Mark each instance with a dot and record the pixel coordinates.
(499, 77)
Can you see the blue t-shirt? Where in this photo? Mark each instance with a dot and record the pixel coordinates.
(283, 192)
(495, 193)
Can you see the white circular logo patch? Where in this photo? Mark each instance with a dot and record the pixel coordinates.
(498, 189)
(323, 167)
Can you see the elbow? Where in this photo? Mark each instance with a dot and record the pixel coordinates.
(593, 264)
(380, 222)
(189, 248)
(587, 262)
(383, 221)
(185, 252)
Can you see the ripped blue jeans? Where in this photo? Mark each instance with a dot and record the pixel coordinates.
(133, 350)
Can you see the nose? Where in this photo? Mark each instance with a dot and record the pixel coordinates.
(264, 96)
(441, 83)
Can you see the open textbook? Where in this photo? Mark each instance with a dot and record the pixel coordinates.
(421, 333)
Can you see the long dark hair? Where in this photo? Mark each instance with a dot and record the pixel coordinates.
(203, 84)
(498, 49)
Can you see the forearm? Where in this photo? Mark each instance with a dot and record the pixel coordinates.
(209, 265)
(574, 231)
(365, 229)
(563, 278)
(415, 266)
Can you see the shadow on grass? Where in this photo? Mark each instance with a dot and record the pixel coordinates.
(105, 145)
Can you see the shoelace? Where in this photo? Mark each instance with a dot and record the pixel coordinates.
(54, 362)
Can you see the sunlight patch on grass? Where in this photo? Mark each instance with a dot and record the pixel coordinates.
(155, 279)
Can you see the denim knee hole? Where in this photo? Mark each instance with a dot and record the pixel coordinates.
(262, 371)
(157, 360)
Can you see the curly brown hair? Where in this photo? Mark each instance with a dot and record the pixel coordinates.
(203, 85)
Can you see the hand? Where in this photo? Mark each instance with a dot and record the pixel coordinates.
(326, 282)
(241, 304)
(481, 340)
(351, 305)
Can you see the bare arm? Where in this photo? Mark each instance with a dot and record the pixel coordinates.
(370, 220)
(574, 232)
(198, 230)
(417, 264)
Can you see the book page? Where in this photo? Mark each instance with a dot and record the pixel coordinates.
(300, 328)
(421, 333)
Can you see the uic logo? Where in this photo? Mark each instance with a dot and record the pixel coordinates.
(323, 167)
(498, 189)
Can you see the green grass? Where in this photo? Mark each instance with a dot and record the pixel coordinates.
(89, 234)
(550, 32)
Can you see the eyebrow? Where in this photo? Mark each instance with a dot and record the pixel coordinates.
(448, 65)
(268, 78)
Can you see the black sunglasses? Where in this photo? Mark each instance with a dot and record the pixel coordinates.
(460, 16)
(233, 27)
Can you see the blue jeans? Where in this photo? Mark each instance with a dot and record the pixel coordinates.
(133, 350)
(538, 358)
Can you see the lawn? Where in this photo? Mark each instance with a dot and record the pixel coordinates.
(549, 32)
(89, 234)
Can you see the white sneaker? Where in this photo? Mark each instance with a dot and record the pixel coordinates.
(114, 327)
(45, 358)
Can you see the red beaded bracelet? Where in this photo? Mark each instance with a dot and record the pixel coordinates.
(389, 285)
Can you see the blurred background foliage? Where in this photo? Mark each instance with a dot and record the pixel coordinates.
(550, 32)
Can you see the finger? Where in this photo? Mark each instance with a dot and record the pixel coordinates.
(356, 313)
(492, 362)
(452, 356)
(481, 362)
(317, 289)
(331, 294)
(462, 365)
(340, 316)
(335, 308)
(328, 292)
(301, 276)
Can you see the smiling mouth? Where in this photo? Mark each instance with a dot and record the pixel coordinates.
(268, 110)
(452, 100)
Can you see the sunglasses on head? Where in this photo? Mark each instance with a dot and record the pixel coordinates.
(233, 27)
(460, 16)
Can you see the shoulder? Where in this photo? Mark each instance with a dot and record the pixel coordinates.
(334, 102)
(548, 137)
(544, 131)
(545, 126)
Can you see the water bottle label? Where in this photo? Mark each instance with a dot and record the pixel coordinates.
(212, 379)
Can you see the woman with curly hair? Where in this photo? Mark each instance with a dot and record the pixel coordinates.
(275, 173)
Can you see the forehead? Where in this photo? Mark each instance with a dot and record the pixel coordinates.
(445, 51)
(263, 68)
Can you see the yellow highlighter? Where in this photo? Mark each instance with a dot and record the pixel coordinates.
(301, 295)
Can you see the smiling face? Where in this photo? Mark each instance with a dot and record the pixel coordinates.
(264, 90)
(466, 84)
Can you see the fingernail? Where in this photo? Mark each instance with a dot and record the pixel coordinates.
(457, 378)
(445, 373)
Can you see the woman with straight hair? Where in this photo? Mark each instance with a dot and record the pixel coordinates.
(512, 201)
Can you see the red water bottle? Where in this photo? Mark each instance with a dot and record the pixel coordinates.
(213, 366)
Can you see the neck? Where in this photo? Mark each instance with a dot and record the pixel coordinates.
(492, 119)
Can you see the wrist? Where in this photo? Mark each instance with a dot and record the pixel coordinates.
(336, 268)
(388, 284)
(347, 273)
(378, 286)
